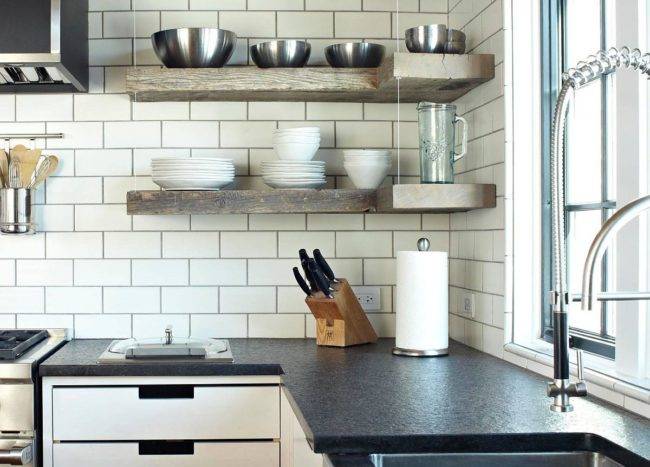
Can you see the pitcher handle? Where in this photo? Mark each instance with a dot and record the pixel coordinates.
(463, 147)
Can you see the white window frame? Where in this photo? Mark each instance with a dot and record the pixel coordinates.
(523, 193)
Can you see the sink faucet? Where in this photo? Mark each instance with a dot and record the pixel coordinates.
(604, 62)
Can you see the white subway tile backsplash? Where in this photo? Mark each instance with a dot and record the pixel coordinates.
(103, 162)
(274, 325)
(364, 244)
(190, 299)
(43, 272)
(334, 111)
(104, 217)
(379, 271)
(132, 245)
(98, 107)
(161, 110)
(132, 134)
(217, 272)
(407, 241)
(218, 110)
(190, 244)
(160, 4)
(7, 272)
(248, 23)
(275, 5)
(22, 246)
(102, 272)
(393, 221)
(291, 300)
(68, 190)
(246, 300)
(157, 223)
(305, 24)
(160, 271)
(52, 217)
(127, 24)
(109, 52)
(247, 134)
(223, 326)
(190, 134)
(76, 135)
(248, 244)
(364, 25)
(335, 221)
(22, 299)
(189, 19)
(102, 326)
(271, 271)
(290, 242)
(7, 108)
(74, 245)
(333, 5)
(43, 107)
(101, 5)
(147, 326)
(221, 5)
(132, 300)
(276, 222)
(362, 135)
(220, 222)
(44, 321)
(73, 300)
(276, 110)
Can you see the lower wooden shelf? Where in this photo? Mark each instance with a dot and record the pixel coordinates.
(396, 198)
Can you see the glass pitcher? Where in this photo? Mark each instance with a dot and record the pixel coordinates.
(437, 140)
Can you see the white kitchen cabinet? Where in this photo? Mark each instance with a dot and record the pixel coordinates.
(296, 451)
(195, 412)
(226, 421)
(205, 454)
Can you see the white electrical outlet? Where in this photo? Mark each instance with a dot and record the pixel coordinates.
(369, 297)
(468, 304)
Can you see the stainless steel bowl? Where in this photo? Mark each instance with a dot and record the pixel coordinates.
(430, 38)
(455, 48)
(281, 54)
(455, 35)
(194, 47)
(355, 55)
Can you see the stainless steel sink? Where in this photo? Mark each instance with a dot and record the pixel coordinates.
(506, 459)
(534, 459)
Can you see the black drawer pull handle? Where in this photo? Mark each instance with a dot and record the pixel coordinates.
(166, 448)
(165, 391)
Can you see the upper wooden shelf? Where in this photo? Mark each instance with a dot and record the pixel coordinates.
(396, 198)
(431, 77)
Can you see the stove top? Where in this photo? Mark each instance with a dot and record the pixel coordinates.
(15, 342)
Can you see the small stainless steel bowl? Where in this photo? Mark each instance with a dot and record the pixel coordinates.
(455, 48)
(430, 38)
(455, 35)
(355, 55)
(281, 54)
(194, 47)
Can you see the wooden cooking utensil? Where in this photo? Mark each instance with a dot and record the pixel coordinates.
(4, 168)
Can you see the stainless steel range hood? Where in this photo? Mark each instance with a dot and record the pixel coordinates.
(43, 45)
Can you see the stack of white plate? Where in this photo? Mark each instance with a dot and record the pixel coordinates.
(293, 174)
(367, 168)
(192, 173)
(296, 144)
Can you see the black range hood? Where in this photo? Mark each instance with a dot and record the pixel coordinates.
(43, 45)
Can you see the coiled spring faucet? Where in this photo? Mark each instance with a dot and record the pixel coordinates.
(604, 62)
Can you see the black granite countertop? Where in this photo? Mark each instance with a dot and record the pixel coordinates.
(363, 399)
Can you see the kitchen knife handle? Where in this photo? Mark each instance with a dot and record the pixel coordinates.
(322, 264)
(322, 281)
(301, 282)
(304, 262)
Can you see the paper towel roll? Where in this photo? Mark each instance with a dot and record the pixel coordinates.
(422, 301)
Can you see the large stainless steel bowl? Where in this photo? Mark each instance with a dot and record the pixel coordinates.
(194, 47)
(355, 55)
(281, 54)
(430, 38)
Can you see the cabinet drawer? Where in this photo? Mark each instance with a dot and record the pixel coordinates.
(205, 454)
(165, 412)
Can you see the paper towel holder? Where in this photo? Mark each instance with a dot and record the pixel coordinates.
(423, 245)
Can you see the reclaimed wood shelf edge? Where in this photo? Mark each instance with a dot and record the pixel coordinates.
(439, 77)
(395, 198)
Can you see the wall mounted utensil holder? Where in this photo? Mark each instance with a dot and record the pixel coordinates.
(16, 211)
(340, 321)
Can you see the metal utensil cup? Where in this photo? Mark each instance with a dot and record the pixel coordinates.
(437, 141)
(16, 211)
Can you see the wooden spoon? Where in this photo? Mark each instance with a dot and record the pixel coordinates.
(4, 168)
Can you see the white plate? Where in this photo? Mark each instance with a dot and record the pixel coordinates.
(192, 184)
(294, 185)
(190, 159)
(296, 179)
(191, 173)
(294, 163)
(294, 175)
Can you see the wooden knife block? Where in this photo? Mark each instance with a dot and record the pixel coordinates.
(340, 321)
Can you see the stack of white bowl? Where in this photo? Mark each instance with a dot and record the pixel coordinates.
(293, 174)
(367, 168)
(192, 173)
(295, 147)
(296, 144)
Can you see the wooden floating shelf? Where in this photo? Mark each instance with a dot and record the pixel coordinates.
(430, 77)
(396, 198)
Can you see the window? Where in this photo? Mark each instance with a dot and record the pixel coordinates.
(571, 31)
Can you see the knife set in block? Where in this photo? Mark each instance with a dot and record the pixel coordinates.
(340, 320)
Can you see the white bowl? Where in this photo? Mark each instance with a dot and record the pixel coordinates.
(367, 176)
(295, 139)
(296, 151)
(185, 184)
(304, 129)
